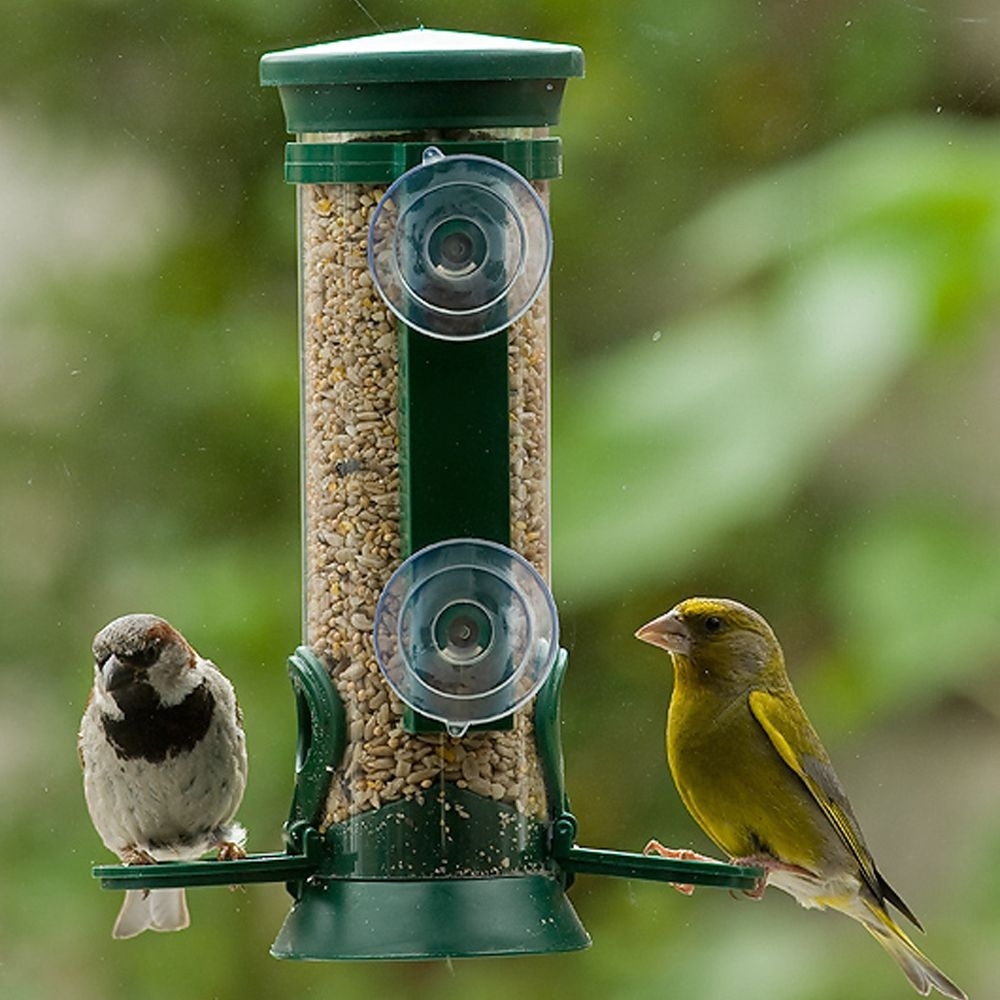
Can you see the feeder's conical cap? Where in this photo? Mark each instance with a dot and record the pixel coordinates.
(421, 78)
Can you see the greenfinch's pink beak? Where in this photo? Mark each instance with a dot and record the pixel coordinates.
(668, 632)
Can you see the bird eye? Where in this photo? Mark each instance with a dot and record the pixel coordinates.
(144, 657)
(713, 624)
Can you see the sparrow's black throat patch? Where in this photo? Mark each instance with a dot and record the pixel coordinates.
(153, 732)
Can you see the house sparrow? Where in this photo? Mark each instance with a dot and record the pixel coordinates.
(164, 760)
(754, 775)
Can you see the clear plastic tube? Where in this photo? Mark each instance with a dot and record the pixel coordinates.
(351, 513)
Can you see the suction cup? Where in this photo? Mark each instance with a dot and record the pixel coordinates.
(459, 246)
(466, 632)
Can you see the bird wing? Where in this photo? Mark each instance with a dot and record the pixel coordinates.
(787, 727)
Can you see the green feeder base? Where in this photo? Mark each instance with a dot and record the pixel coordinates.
(337, 918)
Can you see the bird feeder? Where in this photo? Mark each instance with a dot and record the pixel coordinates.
(429, 816)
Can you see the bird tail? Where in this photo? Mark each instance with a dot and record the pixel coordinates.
(922, 973)
(151, 909)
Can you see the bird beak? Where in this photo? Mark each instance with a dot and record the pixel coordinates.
(116, 674)
(668, 632)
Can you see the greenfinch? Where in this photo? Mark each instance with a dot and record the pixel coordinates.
(752, 772)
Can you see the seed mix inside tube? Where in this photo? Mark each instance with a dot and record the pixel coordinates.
(352, 514)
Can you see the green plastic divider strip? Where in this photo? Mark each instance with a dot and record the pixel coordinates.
(454, 439)
(382, 162)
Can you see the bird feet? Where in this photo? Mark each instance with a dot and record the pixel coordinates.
(770, 864)
(757, 892)
(133, 855)
(228, 851)
(677, 854)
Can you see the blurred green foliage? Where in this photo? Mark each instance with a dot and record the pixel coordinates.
(775, 301)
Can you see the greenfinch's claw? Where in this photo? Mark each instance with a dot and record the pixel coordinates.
(676, 854)
(757, 892)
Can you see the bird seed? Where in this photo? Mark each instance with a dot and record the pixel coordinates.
(352, 514)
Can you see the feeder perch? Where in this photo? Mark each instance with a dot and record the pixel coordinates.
(429, 816)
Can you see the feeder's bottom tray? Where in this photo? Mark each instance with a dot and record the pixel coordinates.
(337, 918)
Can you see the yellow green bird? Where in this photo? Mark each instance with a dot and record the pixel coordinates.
(751, 770)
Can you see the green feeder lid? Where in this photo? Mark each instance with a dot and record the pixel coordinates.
(419, 79)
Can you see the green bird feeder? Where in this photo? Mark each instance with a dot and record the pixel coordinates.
(429, 816)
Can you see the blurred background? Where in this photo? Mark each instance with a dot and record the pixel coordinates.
(776, 300)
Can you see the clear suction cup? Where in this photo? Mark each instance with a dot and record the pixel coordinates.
(466, 632)
(459, 246)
